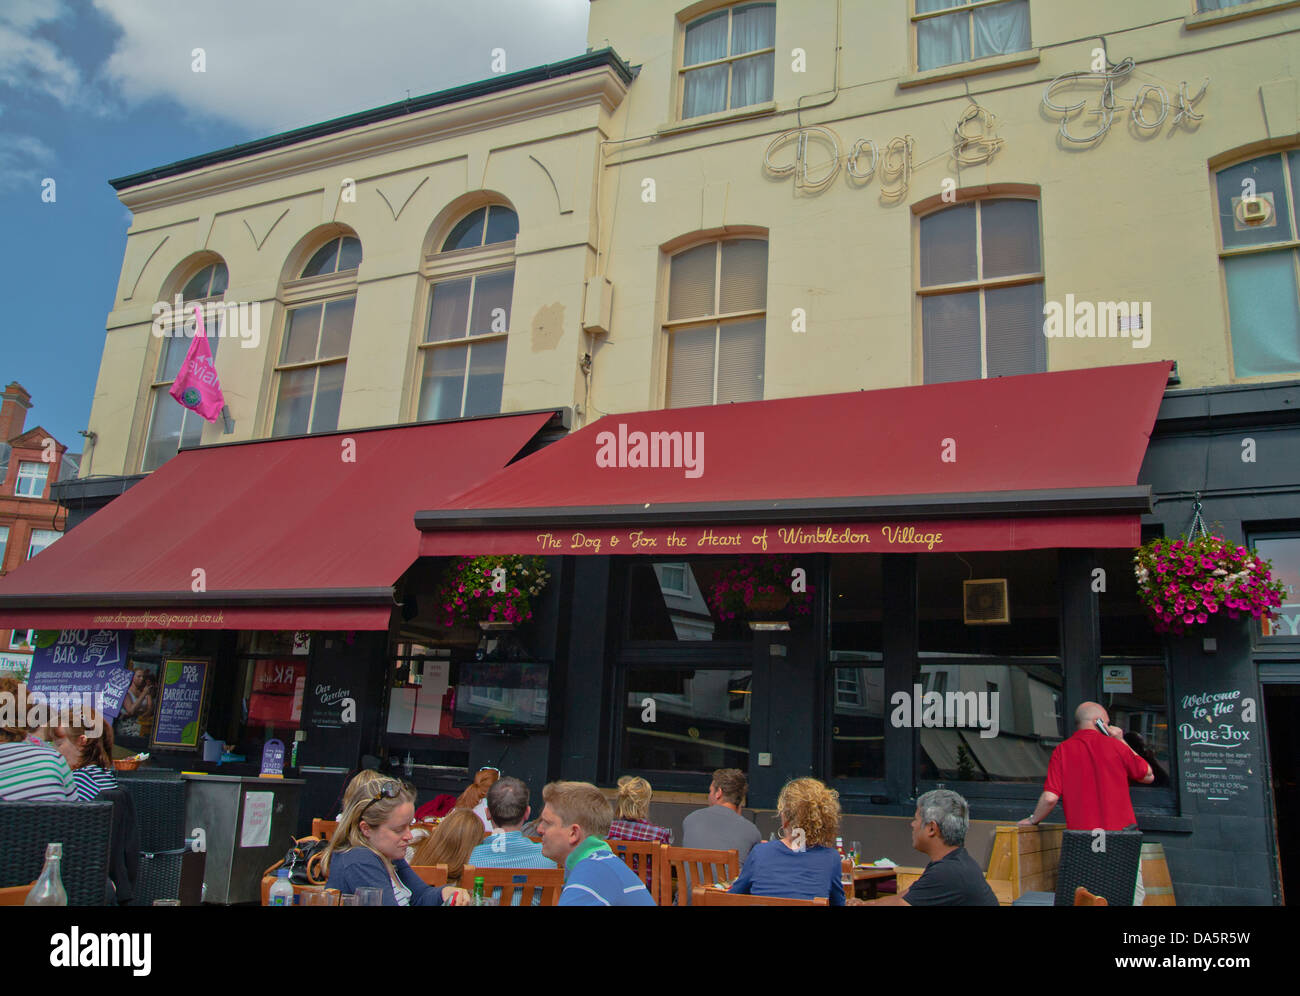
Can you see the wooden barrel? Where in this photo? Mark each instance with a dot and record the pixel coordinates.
(1155, 876)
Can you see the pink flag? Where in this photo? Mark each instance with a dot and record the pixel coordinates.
(196, 386)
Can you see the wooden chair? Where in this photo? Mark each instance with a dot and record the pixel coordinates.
(324, 828)
(686, 867)
(435, 875)
(1082, 897)
(519, 886)
(640, 856)
(15, 895)
(704, 896)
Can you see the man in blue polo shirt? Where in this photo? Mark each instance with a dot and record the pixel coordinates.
(574, 823)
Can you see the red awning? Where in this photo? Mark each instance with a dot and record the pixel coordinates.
(290, 534)
(1012, 463)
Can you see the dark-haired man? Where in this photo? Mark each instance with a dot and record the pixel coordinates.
(719, 826)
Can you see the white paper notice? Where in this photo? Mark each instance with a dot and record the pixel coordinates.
(401, 710)
(428, 712)
(256, 830)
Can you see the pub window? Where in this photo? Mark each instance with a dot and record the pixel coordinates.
(421, 705)
(953, 31)
(701, 722)
(150, 649)
(1136, 696)
(981, 291)
(1126, 630)
(673, 601)
(463, 355)
(947, 626)
(317, 335)
(717, 302)
(857, 728)
(728, 59)
(31, 478)
(270, 683)
(171, 425)
(1282, 549)
(1259, 237)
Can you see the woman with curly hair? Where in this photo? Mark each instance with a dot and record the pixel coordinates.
(803, 864)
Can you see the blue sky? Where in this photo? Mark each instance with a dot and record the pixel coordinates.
(96, 89)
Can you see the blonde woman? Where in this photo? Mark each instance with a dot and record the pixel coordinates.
(632, 813)
(803, 864)
(369, 848)
(457, 835)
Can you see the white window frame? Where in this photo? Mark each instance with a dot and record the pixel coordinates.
(960, 8)
(685, 590)
(31, 540)
(42, 477)
(848, 687)
(683, 69)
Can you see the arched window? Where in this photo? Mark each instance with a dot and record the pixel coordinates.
(317, 335)
(171, 425)
(717, 320)
(463, 352)
(1259, 247)
(981, 291)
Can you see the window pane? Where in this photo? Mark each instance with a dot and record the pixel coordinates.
(668, 605)
(1284, 552)
(691, 282)
(706, 39)
(706, 91)
(468, 232)
(329, 393)
(1125, 631)
(857, 597)
(858, 723)
(443, 382)
(942, 41)
(1001, 29)
(220, 278)
(950, 332)
(301, 337)
(753, 27)
(744, 276)
(1009, 232)
(492, 292)
(1294, 159)
(191, 426)
(293, 404)
(1013, 330)
(1266, 175)
(325, 260)
(740, 362)
(1264, 310)
(164, 430)
(1032, 597)
(349, 254)
(1143, 714)
(701, 720)
(948, 246)
(198, 285)
(751, 80)
(448, 310)
(487, 368)
(174, 348)
(31, 478)
(1028, 711)
(502, 225)
(690, 367)
(41, 538)
(336, 333)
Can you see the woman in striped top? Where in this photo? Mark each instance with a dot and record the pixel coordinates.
(87, 743)
(29, 772)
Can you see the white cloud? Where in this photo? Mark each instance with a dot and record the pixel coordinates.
(279, 65)
(31, 63)
(24, 162)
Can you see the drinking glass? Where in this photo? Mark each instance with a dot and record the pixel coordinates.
(857, 852)
(349, 899)
(166, 902)
(321, 898)
(369, 896)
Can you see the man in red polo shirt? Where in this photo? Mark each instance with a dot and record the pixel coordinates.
(1091, 773)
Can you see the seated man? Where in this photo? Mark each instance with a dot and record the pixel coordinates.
(719, 826)
(507, 805)
(952, 878)
(573, 826)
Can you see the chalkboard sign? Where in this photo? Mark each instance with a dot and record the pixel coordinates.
(180, 703)
(1217, 734)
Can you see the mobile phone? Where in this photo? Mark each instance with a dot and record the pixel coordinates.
(1101, 727)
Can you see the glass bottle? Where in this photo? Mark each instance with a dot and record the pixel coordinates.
(478, 890)
(48, 890)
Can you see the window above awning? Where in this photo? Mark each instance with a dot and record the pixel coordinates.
(309, 533)
(1012, 463)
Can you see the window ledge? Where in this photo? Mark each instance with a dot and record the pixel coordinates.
(993, 63)
(722, 117)
(1209, 17)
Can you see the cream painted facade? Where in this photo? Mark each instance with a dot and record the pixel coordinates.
(1131, 217)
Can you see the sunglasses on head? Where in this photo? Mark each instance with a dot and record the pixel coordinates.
(387, 790)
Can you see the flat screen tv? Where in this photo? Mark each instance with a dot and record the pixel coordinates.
(502, 695)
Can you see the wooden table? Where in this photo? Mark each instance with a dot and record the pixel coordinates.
(869, 878)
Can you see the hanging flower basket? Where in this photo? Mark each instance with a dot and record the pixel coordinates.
(466, 596)
(1188, 583)
(757, 587)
